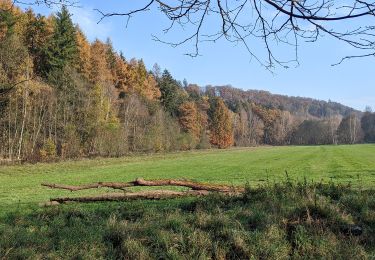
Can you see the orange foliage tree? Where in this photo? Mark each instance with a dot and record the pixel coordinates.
(84, 54)
(189, 119)
(99, 72)
(221, 127)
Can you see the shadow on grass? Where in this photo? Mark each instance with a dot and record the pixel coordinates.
(278, 221)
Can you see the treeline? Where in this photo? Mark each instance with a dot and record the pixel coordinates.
(62, 96)
(284, 120)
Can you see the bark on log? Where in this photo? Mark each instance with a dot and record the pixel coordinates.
(189, 184)
(151, 195)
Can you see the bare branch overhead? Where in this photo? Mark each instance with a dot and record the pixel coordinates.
(270, 30)
(270, 22)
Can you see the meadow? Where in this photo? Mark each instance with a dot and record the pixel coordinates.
(20, 185)
(300, 202)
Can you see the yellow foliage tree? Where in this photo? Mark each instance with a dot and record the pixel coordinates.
(139, 81)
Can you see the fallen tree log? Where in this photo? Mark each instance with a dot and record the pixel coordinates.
(197, 189)
(150, 195)
(142, 182)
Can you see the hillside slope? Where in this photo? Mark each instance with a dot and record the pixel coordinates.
(302, 106)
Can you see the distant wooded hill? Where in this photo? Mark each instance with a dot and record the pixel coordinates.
(302, 106)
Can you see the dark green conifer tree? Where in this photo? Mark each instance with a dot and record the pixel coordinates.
(172, 94)
(110, 55)
(7, 22)
(62, 47)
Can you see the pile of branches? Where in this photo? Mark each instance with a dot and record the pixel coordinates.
(195, 189)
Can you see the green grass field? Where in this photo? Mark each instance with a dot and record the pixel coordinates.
(20, 185)
(276, 218)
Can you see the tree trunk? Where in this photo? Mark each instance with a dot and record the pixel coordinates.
(24, 110)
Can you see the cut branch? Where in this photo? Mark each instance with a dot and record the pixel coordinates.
(113, 185)
(150, 195)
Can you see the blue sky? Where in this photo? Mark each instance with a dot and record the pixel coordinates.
(224, 63)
